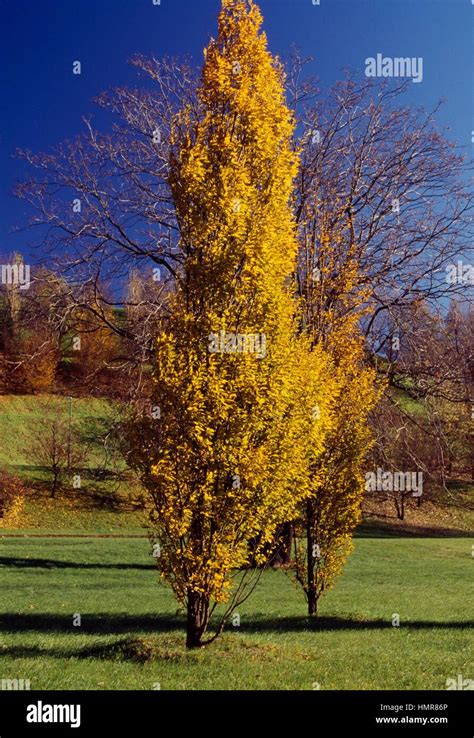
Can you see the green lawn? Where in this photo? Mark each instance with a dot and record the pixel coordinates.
(105, 501)
(132, 633)
(22, 417)
(113, 585)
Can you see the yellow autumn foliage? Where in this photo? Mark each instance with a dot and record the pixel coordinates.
(333, 306)
(12, 497)
(226, 460)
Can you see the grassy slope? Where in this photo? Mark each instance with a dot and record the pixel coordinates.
(448, 512)
(113, 585)
(21, 417)
(98, 506)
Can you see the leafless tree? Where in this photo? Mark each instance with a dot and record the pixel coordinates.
(377, 178)
(55, 445)
(103, 205)
(390, 191)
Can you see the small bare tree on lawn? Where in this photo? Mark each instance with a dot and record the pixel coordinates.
(55, 446)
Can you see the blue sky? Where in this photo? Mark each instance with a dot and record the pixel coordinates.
(42, 101)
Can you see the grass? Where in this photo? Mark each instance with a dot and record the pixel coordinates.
(22, 416)
(132, 633)
(103, 502)
(131, 636)
(69, 514)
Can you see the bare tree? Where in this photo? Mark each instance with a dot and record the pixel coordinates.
(55, 445)
(390, 191)
(105, 206)
(379, 178)
(426, 419)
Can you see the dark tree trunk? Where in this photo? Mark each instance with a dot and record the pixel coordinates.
(55, 484)
(311, 592)
(312, 601)
(282, 555)
(400, 507)
(197, 619)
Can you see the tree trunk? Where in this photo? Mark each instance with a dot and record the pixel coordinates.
(311, 592)
(197, 619)
(312, 601)
(55, 484)
(282, 555)
(400, 506)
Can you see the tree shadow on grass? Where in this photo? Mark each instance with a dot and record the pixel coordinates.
(21, 563)
(125, 649)
(30, 468)
(262, 623)
(91, 497)
(108, 623)
(381, 529)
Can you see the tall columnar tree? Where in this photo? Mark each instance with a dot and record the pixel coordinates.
(334, 297)
(332, 509)
(224, 455)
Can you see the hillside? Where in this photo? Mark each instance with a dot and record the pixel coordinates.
(109, 498)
